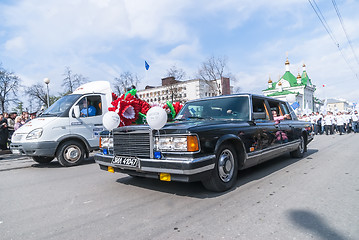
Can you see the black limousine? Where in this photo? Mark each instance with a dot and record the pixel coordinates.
(210, 140)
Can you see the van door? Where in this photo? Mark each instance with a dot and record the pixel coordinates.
(89, 124)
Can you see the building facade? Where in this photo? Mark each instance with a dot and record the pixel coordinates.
(183, 91)
(299, 90)
(335, 105)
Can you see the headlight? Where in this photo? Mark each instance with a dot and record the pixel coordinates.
(177, 144)
(34, 134)
(106, 142)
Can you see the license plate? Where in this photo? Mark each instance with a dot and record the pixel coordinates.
(125, 161)
(16, 151)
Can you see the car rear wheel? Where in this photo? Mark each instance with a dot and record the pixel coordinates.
(224, 174)
(42, 160)
(70, 153)
(299, 152)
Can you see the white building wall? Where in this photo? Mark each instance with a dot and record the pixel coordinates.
(186, 90)
(192, 88)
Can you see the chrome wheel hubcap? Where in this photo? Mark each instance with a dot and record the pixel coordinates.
(72, 153)
(226, 165)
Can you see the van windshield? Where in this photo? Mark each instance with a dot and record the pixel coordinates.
(61, 105)
(231, 108)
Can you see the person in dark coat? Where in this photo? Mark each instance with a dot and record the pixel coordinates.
(3, 132)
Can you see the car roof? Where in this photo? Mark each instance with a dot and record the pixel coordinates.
(237, 95)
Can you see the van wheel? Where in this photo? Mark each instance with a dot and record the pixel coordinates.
(224, 174)
(70, 153)
(42, 160)
(299, 152)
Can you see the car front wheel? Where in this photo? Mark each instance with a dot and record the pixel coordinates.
(224, 174)
(70, 153)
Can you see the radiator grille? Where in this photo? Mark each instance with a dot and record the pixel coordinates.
(132, 144)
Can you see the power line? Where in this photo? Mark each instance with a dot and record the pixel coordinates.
(329, 31)
(346, 33)
(324, 22)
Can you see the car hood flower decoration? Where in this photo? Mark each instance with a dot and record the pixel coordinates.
(130, 108)
(133, 110)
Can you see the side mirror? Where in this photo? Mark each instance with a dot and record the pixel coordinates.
(259, 115)
(77, 111)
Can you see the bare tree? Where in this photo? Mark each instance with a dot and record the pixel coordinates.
(175, 72)
(173, 91)
(211, 70)
(9, 84)
(124, 81)
(37, 92)
(72, 81)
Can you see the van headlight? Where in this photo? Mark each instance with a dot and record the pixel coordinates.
(34, 134)
(176, 143)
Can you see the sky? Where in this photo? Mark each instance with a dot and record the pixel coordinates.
(100, 39)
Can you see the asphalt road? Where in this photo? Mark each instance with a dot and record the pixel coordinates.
(316, 197)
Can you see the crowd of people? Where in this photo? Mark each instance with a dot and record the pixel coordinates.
(9, 123)
(331, 123)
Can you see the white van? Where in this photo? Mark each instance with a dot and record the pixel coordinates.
(69, 129)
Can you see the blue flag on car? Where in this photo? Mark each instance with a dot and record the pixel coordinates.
(146, 65)
(295, 105)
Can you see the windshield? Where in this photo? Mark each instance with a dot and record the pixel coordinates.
(234, 108)
(61, 105)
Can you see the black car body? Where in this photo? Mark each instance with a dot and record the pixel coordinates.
(209, 141)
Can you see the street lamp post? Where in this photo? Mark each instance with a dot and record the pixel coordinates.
(47, 81)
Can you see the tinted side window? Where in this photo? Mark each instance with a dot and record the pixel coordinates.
(285, 110)
(260, 107)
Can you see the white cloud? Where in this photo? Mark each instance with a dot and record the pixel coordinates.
(16, 44)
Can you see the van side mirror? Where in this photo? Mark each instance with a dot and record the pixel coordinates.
(259, 115)
(77, 111)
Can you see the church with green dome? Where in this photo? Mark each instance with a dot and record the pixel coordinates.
(294, 89)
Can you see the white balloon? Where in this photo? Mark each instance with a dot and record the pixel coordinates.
(156, 117)
(110, 120)
(291, 98)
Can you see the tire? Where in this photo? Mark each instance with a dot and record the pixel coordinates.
(224, 174)
(70, 153)
(299, 152)
(42, 160)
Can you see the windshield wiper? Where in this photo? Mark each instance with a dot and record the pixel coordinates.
(194, 117)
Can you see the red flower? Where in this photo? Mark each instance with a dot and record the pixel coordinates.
(177, 106)
(114, 96)
(128, 109)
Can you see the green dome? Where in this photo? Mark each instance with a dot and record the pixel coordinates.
(290, 78)
(305, 79)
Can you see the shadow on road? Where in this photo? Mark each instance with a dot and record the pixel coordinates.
(264, 169)
(197, 190)
(55, 164)
(314, 223)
